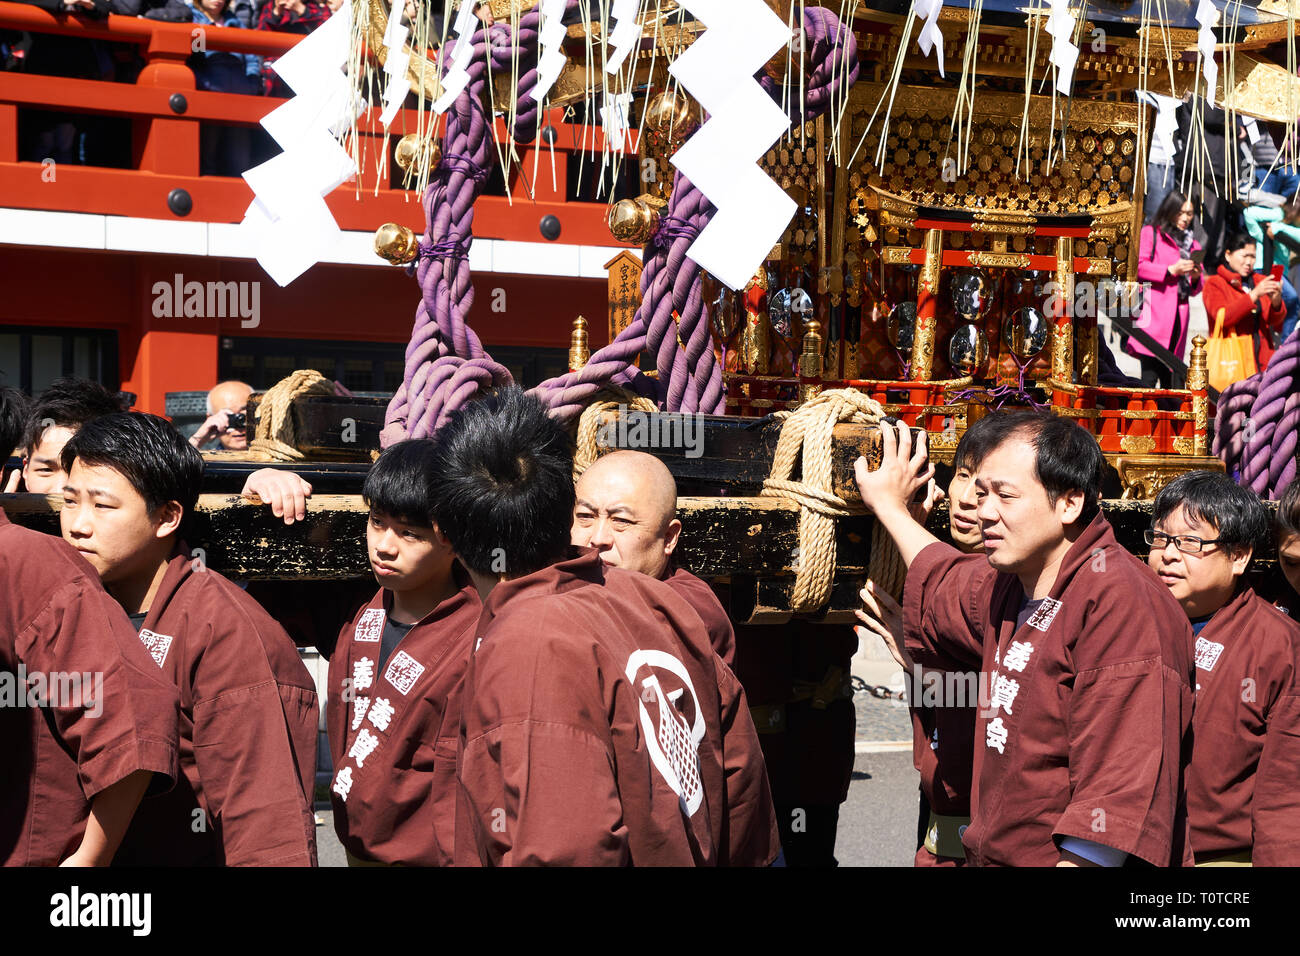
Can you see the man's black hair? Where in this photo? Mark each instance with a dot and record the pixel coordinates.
(145, 450)
(1067, 458)
(1238, 516)
(13, 420)
(70, 403)
(504, 484)
(977, 441)
(401, 483)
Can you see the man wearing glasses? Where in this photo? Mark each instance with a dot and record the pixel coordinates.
(1242, 801)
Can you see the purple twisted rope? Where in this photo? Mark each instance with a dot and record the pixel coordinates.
(1230, 426)
(689, 376)
(1276, 384)
(445, 361)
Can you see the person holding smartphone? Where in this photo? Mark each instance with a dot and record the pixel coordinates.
(1169, 260)
(1251, 301)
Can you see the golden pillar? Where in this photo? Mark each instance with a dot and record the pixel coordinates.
(927, 300)
(1062, 328)
(1198, 380)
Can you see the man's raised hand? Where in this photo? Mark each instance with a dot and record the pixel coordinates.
(903, 471)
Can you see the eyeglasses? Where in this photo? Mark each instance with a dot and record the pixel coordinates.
(1186, 543)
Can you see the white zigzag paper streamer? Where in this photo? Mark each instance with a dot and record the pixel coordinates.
(396, 87)
(930, 36)
(550, 64)
(1064, 53)
(626, 34)
(721, 159)
(457, 77)
(1206, 14)
(614, 119)
(288, 226)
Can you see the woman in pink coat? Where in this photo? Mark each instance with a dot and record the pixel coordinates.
(1164, 261)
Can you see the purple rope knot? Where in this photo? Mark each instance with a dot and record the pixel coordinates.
(450, 248)
(673, 227)
(464, 164)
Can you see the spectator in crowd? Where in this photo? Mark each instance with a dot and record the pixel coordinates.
(1252, 301)
(1262, 220)
(1209, 170)
(217, 431)
(53, 418)
(223, 150)
(288, 16)
(1165, 261)
(168, 11)
(1161, 176)
(59, 136)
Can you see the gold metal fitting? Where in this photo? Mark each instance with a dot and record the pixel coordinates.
(673, 114)
(634, 221)
(397, 243)
(579, 346)
(412, 151)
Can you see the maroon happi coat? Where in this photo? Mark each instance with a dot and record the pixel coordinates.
(601, 729)
(943, 742)
(56, 620)
(1086, 730)
(1243, 785)
(248, 729)
(700, 596)
(394, 793)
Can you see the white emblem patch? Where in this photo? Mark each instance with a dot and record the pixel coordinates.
(674, 745)
(1042, 618)
(1207, 654)
(403, 671)
(371, 626)
(156, 644)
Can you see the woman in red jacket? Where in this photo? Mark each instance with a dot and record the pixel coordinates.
(1252, 301)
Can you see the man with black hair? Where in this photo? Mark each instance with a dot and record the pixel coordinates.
(1242, 801)
(86, 722)
(248, 706)
(943, 729)
(1083, 732)
(396, 674)
(594, 728)
(53, 418)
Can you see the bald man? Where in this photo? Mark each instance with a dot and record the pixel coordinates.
(627, 510)
(225, 399)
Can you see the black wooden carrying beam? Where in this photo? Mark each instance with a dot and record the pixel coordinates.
(750, 542)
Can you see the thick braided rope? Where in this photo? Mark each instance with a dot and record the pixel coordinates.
(1276, 385)
(610, 399)
(806, 434)
(689, 378)
(275, 434)
(1230, 423)
(445, 363)
(666, 281)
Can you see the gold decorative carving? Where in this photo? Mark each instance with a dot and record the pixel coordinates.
(1001, 260)
(1142, 476)
(1138, 444)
